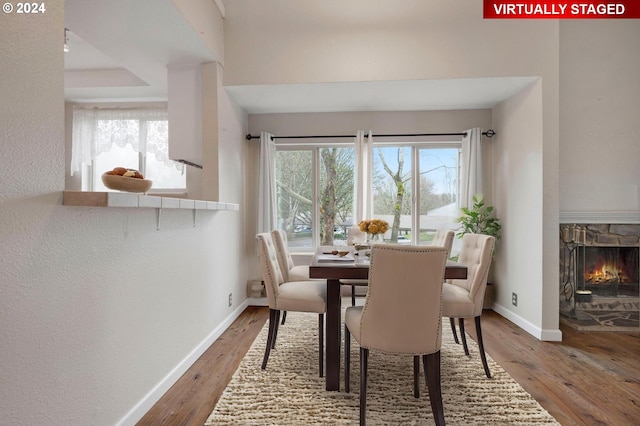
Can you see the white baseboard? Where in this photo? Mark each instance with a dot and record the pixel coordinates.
(537, 332)
(257, 301)
(141, 408)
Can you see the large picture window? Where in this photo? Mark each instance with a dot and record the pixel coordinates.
(415, 189)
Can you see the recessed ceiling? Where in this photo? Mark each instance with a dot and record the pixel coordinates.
(120, 52)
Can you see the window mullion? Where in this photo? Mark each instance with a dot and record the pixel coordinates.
(415, 199)
(315, 211)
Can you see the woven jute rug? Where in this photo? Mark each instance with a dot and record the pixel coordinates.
(290, 392)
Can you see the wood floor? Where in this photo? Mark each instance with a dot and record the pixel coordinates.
(590, 378)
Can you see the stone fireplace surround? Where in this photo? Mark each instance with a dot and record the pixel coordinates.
(598, 312)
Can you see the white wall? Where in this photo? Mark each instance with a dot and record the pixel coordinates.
(518, 168)
(97, 306)
(599, 110)
(288, 41)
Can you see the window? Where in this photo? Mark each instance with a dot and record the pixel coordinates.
(294, 186)
(315, 194)
(335, 197)
(415, 189)
(130, 138)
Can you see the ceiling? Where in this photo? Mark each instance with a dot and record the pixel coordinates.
(403, 95)
(109, 62)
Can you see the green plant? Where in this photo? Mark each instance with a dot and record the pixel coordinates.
(479, 219)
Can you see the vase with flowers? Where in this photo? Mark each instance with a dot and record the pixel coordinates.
(375, 229)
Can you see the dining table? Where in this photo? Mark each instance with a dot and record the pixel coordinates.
(336, 268)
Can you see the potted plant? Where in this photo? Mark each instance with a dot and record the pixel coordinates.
(480, 219)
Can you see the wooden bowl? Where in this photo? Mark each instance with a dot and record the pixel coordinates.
(127, 184)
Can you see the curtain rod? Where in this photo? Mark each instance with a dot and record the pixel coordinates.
(489, 133)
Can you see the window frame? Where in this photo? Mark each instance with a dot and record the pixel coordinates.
(415, 147)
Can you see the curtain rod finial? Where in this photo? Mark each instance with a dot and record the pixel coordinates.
(248, 136)
(490, 133)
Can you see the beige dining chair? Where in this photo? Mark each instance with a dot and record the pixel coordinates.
(464, 298)
(401, 314)
(443, 238)
(290, 271)
(297, 296)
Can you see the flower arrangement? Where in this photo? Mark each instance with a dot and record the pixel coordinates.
(373, 226)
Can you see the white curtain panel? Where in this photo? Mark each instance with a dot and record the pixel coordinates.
(363, 175)
(470, 167)
(267, 213)
(95, 131)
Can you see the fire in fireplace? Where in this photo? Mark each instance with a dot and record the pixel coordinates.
(610, 271)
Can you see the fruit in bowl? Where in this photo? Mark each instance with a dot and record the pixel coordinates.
(123, 179)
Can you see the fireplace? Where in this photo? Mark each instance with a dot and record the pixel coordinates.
(609, 271)
(600, 276)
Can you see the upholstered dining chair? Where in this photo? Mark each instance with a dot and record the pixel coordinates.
(297, 296)
(290, 271)
(443, 238)
(401, 314)
(464, 298)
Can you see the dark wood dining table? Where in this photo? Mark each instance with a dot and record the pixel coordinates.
(333, 272)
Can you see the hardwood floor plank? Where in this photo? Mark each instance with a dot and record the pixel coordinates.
(590, 378)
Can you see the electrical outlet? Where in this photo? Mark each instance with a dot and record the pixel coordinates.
(514, 299)
(230, 299)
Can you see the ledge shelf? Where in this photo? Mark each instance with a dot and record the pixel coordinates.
(127, 199)
(140, 201)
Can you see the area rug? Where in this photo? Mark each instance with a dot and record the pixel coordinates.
(290, 392)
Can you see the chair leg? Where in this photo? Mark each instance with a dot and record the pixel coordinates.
(364, 360)
(275, 332)
(453, 330)
(432, 375)
(463, 336)
(347, 359)
(416, 376)
(321, 343)
(353, 295)
(284, 317)
(273, 319)
(483, 356)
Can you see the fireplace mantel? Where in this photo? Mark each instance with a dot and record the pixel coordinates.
(622, 217)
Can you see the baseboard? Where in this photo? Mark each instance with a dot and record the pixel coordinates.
(141, 408)
(537, 332)
(257, 301)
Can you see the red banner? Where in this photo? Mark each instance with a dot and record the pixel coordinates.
(551, 9)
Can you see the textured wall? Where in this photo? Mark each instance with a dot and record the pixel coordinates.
(97, 306)
(292, 41)
(600, 106)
